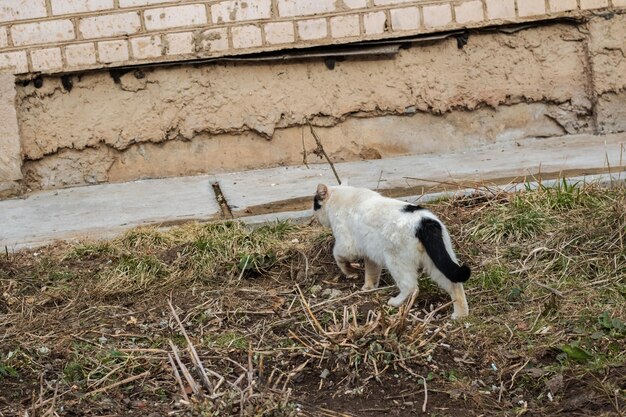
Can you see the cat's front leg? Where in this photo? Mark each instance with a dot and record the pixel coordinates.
(405, 276)
(372, 275)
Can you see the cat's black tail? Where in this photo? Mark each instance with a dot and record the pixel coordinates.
(430, 233)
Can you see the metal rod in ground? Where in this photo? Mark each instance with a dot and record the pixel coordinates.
(320, 149)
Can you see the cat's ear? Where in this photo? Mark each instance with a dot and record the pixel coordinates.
(322, 191)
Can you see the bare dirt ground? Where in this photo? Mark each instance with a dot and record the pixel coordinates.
(219, 320)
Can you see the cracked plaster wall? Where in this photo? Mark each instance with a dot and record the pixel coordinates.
(430, 98)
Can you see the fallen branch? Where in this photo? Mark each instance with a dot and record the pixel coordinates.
(192, 383)
(122, 382)
(177, 376)
(192, 351)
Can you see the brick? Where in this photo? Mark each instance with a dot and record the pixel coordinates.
(43, 32)
(80, 54)
(305, 7)
(387, 2)
(312, 29)
(3, 37)
(46, 59)
(563, 5)
(110, 25)
(344, 26)
(15, 61)
(12, 10)
(179, 43)
(246, 36)
(79, 6)
(173, 17)
(241, 10)
(470, 11)
(500, 9)
(355, 4)
(593, 4)
(531, 7)
(113, 51)
(135, 3)
(146, 47)
(406, 18)
(279, 32)
(374, 23)
(211, 40)
(437, 15)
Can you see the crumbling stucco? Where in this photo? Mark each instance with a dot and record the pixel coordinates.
(354, 138)
(10, 157)
(607, 48)
(187, 120)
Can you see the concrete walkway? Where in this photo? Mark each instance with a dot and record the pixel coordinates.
(260, 195)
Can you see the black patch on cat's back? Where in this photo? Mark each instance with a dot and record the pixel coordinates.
(410, 208)
(316, 203)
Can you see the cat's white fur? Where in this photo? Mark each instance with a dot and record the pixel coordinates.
(369, 226)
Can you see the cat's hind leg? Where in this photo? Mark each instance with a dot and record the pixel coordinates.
(372, 275)
(405, 277)
(456, 292)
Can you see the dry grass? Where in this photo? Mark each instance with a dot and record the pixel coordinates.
(218, 319)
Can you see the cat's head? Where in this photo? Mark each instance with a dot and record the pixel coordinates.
(319, 204)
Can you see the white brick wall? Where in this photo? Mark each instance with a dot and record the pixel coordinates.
(4, 41)
(67, 35)
(345, 26)
(470, 11)
(109, 25)
(60, 7)
(15, 61)
(437, 15)
(387, 2)
(531, 8)
(81, 54)
(304, 7)
(146, 47)
(501, 9)
(179, 43)
(113, 51)
(593, 4)
(46, 59)
(355, 4)
(312, 29)
(211, 40)
(135, 3)
(374, 23)
(12, 10)
(247, 36)
(174, 17)
(241, 10)
(406, 18)
(50, 31)
(279, 32)
(562, 5)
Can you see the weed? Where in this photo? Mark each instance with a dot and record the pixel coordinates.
(92, 250)
(227, 340)
(143, 238)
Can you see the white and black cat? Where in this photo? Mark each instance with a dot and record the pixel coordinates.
(392, 234)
